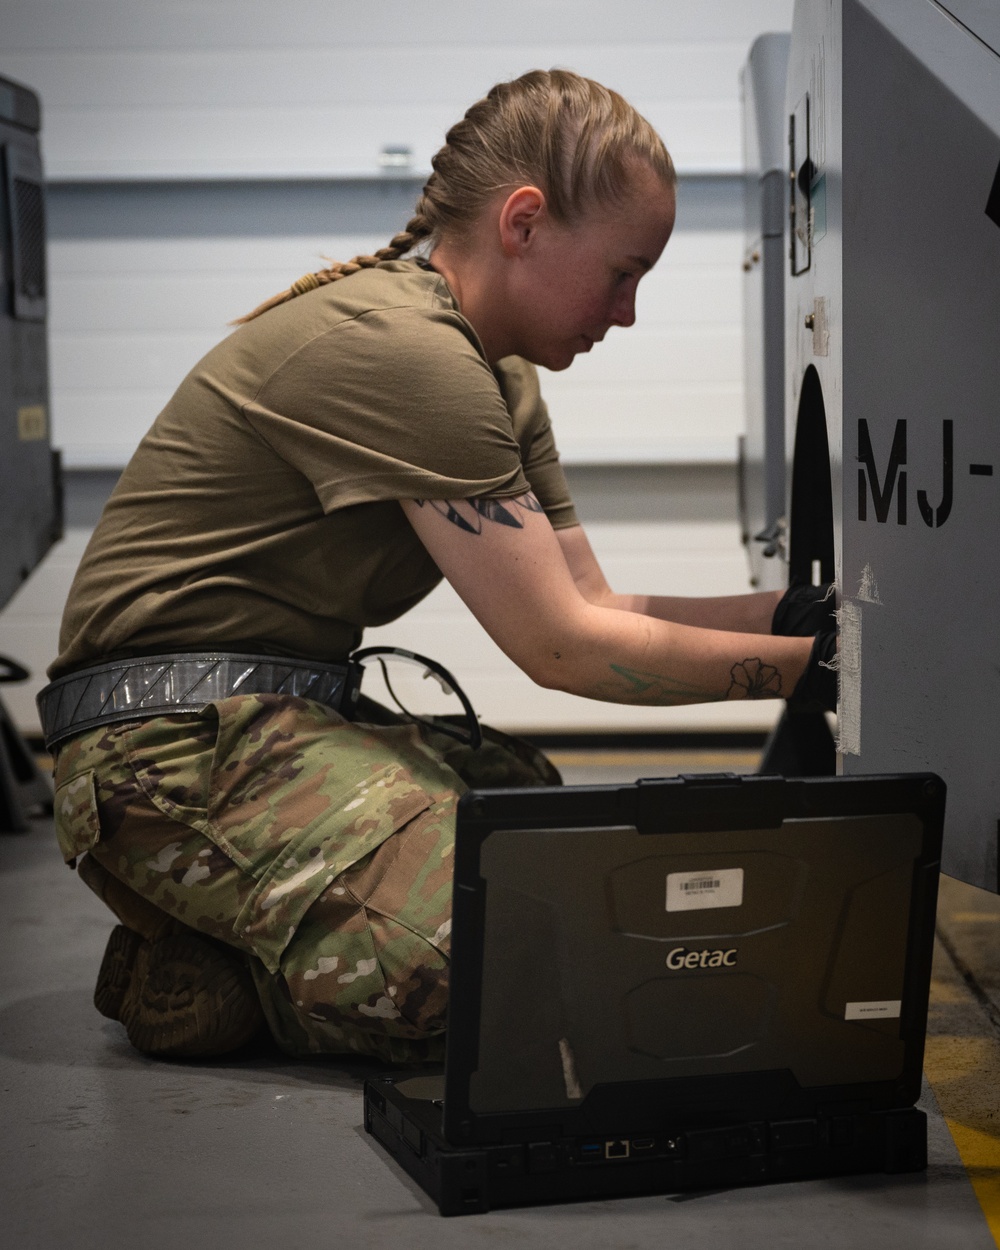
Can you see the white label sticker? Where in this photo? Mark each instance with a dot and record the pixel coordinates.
(712, 887)
(887, 1009)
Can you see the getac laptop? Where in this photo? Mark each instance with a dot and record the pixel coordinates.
(682, 983)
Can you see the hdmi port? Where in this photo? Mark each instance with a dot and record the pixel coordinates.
(643, 1143)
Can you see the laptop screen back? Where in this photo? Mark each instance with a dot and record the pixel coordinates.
(615, 956)
(609, 956)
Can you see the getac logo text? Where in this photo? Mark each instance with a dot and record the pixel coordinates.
(679, 957)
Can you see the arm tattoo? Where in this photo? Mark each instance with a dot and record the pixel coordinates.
(469, 514)
(750, 679)
(756, 679)
(635, 686)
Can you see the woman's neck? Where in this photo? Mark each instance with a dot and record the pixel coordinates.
(477, 287)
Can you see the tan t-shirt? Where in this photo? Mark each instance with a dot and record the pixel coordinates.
(261, 510)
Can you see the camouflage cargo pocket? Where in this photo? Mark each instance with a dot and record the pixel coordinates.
(77, 823)
(286, 793)
(317, 855)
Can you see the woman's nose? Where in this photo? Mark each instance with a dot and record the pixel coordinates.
(624, 314)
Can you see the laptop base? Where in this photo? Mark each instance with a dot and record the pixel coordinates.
(478, 1178)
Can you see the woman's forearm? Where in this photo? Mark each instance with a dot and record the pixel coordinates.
(624, 657)
(743, 614)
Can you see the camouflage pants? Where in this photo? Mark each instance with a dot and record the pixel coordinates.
(319, 847)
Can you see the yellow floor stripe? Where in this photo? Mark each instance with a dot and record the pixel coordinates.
(965, 1075)
(963, 1041)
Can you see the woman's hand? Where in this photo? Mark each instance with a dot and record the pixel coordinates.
(565, 629)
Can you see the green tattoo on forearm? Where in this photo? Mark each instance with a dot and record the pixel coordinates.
(636, 686)
(750, 679)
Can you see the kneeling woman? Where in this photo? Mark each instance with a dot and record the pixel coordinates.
(275, 851)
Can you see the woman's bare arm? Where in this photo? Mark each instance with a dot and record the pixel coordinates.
(746, 614)
(505, 561)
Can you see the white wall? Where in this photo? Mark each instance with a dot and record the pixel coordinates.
(183, 88)
(153, 102)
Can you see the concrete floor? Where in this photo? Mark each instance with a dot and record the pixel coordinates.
(103, 1148)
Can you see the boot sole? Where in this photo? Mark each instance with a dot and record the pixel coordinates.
(183, 996)
(115, 975)
(190, 998)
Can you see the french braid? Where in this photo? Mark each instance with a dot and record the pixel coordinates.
(417, 229)
(575, 139)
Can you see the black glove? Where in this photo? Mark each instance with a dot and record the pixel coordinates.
(804, 610)
(816, 689)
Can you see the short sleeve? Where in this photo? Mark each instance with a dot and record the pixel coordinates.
(533, 430)
(395, 403)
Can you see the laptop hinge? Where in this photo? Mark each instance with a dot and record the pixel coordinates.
(706, 801)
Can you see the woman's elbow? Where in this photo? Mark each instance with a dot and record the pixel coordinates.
(553, 671)
(548, 677)
(558, 654)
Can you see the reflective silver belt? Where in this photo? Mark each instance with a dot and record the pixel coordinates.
(156, 685)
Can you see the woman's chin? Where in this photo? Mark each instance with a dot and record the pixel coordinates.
(557, 359)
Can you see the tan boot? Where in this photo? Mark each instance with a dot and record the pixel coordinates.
(178, 993)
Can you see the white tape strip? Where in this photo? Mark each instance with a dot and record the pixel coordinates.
(849, 710)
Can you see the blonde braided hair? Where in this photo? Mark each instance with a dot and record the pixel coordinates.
(574, 138)
(417, 229)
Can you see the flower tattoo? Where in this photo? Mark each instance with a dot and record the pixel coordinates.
(756, 679)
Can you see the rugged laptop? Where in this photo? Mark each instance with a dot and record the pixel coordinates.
(682, 983)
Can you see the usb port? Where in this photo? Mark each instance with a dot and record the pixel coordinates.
(643, 1143)
(591, 1149)
(616, 1149)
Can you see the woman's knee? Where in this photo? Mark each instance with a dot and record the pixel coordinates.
(368, 964)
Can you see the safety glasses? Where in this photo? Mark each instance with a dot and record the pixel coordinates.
(402, 670)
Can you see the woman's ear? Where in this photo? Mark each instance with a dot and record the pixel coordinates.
(520, 216)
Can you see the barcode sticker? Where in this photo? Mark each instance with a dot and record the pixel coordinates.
(886, 1009)
(695, 891)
